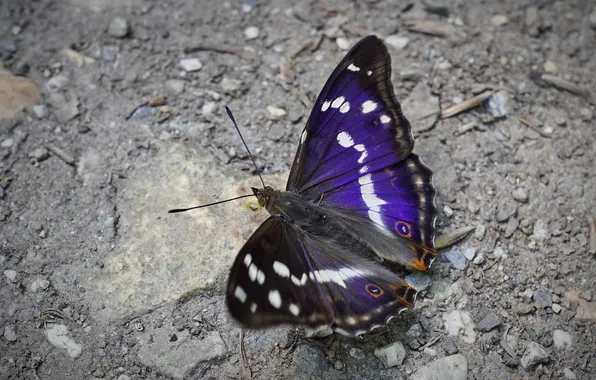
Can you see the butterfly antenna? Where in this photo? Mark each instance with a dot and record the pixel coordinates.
(177, 210)
(246, 146)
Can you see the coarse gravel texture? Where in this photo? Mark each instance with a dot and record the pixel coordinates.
(87, 177)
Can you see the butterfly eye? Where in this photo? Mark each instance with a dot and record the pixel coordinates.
(253, 205)
(404, 229)
(374, 290)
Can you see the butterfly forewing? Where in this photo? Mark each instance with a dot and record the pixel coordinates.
(355, 153)
(356, 123)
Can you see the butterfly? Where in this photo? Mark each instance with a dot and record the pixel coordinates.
(356, 196)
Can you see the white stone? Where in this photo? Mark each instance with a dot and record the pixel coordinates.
(11, 275)
(251, 32)
(342, 43)
(9, 333)
(454, 367)
(569, 374)
(533, 355)
(562, 339)
(190, 64)
(7, 143)
(469, 253)
(208, 108)
(40, 111)
(392, 355)
(276, 112)
(397, 42)
(39, 284)
(457, 322)
(57, 336)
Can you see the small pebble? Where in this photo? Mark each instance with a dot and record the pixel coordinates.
(39, 284)
(448, 211)
(118, 27)
(109, 52)
(208, 108)
(418, 280)
(9, 46)
(99, 373)
(562, 339)
(567, 373)
(9, 333)
(533, 355)
(520, 195)
(489, 322)
(469, 253)
(550, 67)
(39, 154)
(456, 258)
(8, 143)
(556, 308)
(587, 295)
(142, 112)
(499, 20)
(523, 308)
(338, 365)
(543, 298)
(16, 30)
(11, 275)
(251, 32)
(397, 42)
(190, 64)
(342, 43)
(392, 355)
(40, 111)
(357, 353)
(276, 112)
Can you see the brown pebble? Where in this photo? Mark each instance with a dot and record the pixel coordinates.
(157, 101)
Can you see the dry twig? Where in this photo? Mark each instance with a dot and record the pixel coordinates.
(465, 105)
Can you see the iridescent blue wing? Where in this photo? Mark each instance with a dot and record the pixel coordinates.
(355, 154)
(283, 276)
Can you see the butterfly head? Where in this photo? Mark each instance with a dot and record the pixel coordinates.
(265, 196)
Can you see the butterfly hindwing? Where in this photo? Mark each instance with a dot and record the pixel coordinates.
(269, 282)
(399, 200)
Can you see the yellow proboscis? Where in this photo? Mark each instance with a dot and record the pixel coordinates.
(252, 205)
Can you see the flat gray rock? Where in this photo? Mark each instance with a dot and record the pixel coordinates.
(454, 367)
(180, 358)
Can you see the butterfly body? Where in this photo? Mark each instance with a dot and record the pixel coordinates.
(356, 197)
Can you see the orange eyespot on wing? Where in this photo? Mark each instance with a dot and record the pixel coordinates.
(374, 290)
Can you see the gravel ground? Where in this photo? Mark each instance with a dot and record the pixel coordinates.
(122, 118)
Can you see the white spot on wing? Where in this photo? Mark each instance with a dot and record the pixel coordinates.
(281, 269)
(294, 309)
(247, 259)
(353, 67)
(299, 281)
(253, 307)
(344, 107)
(361, 148)
(369, 106)
(325, 105)
(303, 137)
(252, 272)
(363, 169)
(385, 119)
(261, 277)
(275, 299)
(367, 191)
(240, 294)
(368, 72)
(344, 139)
(338, 102)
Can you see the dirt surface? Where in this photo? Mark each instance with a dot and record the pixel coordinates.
(127, 292)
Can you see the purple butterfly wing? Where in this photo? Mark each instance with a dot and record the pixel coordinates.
(355, 154)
